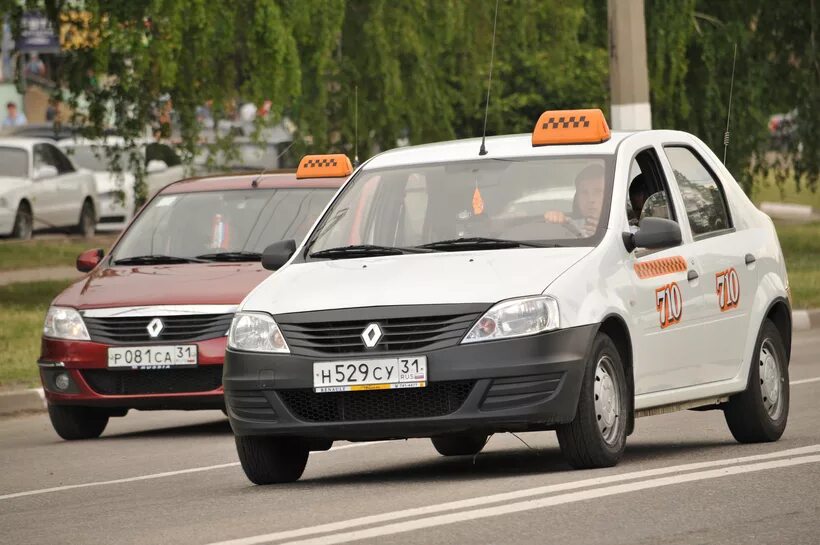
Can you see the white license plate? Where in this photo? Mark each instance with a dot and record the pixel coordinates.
(152, 357)
(371, 374)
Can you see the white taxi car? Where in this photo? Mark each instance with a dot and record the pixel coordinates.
(436, 298)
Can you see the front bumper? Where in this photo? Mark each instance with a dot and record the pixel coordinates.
(92, 384)
(527, 383)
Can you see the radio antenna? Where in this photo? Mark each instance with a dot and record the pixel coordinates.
(483, 149)
(255, 181)
(356, 128)
(729, 113)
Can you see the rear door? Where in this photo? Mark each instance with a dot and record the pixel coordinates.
(70, 186)
(729, 277)
(44, 191)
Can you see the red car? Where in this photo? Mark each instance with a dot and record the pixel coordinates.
(146, 328)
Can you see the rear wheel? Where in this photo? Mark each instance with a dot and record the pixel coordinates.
(23, 223)
(759, 414)
(88, 222)
(459, 444)
(597, 435)
(72, 422)
(271, 460)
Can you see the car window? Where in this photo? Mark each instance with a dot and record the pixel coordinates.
(702, 193)
(13, 162)
(62, 163)
(557, 200)
(44, 157)
(190, 224)
(647, 192)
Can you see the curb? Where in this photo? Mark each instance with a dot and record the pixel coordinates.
(788, 211)
(22, 400)
(803, 320)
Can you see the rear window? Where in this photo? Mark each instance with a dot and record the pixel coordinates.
(13, 162)
(192, 224)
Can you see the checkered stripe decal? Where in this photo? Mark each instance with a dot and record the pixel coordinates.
(660, 267)
(565, 123)
(320, 163)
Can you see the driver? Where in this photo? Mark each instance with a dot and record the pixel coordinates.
(587, 204)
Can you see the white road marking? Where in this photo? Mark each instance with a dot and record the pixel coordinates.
(560, 499)
(155, 475)
(507, 496)
(804, 381)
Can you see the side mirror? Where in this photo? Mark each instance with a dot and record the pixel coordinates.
(89, 259)
(45, 171)
(156, 165)
(277, 254)
(653, 233)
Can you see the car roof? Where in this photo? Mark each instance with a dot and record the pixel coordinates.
(274, 180)
(517, 145)
(23, 143)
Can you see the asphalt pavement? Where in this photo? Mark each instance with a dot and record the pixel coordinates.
(168, 477)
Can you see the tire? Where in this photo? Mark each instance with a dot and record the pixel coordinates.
(23, 223)
(460, 444)
(272, 460)
(752, 415)
(584, 442)
(72, 422)
(87, 225)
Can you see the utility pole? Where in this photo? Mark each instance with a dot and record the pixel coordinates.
(628, 78)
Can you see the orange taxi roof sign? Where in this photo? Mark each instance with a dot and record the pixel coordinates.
(570, 127)
(335, 165)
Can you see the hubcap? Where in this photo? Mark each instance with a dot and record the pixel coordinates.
(770, 380)
(607, 400)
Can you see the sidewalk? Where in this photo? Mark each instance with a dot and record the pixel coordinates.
(36, 275)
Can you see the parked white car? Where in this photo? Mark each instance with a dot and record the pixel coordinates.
(40, 188)
(116, 189)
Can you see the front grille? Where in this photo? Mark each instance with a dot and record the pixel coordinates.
(436, 399)
(405, 329)
(134, 329)
(154, 381)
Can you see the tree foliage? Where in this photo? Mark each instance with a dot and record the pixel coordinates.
(420, 68)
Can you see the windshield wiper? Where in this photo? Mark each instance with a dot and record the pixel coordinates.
(154, 259)
(231, 256)
(482, 243)
(364, 250)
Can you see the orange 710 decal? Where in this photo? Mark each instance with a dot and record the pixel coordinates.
(669, 304)
(727, 287)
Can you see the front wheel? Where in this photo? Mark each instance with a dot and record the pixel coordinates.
(271, 460)
(72, 422)
(460, 444)
(759, 414)
(597, 435)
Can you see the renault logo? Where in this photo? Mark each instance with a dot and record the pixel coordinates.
(155, 328)
(371, 335)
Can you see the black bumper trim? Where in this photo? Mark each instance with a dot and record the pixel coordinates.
(520, 384)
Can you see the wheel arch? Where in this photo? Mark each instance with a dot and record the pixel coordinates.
(779, 312)
(616, 329)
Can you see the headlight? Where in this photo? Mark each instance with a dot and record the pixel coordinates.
(515, 318)
(256, 332)
(65, 323)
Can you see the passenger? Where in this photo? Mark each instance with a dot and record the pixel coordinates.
(587, 204)
(638, 193)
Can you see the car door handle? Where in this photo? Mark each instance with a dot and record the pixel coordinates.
(692, 276)
(750, 259)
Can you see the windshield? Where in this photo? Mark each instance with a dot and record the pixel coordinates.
(95, 158)
(187, 225)
(13, 162)
(552, 201)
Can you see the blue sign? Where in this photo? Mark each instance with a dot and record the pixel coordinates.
(37, 35)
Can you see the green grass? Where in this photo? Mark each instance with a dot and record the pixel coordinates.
(32, 254)
(766, 190)
(23, 307)
(801, 248)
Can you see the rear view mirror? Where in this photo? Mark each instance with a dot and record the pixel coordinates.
(277, 254)
(654, 233)
(89, 259)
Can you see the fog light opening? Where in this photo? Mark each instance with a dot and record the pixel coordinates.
(62, 381)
